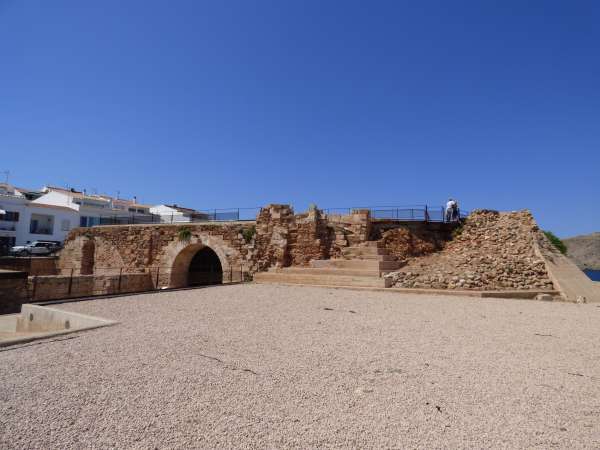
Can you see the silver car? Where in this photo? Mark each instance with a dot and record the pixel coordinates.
(35, 248)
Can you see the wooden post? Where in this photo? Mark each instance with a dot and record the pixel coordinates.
(157, 271)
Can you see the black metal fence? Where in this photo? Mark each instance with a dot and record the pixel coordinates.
(417, 213)
(214, 215)
(71, 283)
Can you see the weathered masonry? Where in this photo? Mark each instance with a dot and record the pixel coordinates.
(489, 252)
(211, 253)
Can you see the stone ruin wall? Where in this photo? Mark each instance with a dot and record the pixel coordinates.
(284, 238)
(278, 238)
(137, 248)
(491, 251)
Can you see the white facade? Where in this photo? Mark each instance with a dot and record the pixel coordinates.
(175, 214)
(26, 221)
(54, 213)
(169, 214)
(45, 223)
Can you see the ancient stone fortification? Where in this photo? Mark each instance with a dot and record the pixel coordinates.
(492, 251)
(278, 238)
(284, 238)
(165, 251)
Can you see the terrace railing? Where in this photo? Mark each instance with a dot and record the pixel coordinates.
(409, 213)
(213, 215)
(416, 213)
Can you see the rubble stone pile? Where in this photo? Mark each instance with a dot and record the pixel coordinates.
(492, 251)
(404, 243)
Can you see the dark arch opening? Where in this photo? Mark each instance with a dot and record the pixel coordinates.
(205, 268)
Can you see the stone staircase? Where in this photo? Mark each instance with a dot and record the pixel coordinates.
(362, 265)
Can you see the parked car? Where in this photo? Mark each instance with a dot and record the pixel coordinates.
(36, 248)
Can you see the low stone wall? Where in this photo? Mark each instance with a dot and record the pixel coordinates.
(36, 265)
(60, 287)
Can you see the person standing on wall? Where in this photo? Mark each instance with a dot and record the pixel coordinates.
(455, 212)
(451, 207)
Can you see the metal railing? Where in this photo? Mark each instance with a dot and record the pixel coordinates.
(416, 213)
(214, 215)
(158, 278)
(409, 213)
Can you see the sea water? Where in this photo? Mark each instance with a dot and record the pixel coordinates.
(593, 274)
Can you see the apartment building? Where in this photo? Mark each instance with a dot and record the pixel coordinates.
(49, 214)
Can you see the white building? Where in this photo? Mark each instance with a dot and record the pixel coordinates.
(23, 220)
(176, 214)
(95, 209)
(49, 214)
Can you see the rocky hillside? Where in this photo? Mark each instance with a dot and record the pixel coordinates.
(584, 250)
(492, 251)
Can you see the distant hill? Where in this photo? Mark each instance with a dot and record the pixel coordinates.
(584, 250)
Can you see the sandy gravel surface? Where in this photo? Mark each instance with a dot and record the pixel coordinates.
(259, 366)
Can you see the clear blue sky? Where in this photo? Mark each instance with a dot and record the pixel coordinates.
(242, 103)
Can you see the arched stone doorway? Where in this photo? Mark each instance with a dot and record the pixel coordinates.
(197, 264)
(205, 268)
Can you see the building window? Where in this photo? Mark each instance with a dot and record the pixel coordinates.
(10, 216)
(41, 224)
(65, 225)
(85, 221)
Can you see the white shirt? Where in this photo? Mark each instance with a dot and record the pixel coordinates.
(450, 204)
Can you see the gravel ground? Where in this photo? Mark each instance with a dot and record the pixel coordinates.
(251, 366)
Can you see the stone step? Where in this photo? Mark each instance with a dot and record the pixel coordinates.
(323, 280)
(333, 271)
(364, 251)
(371, 244)
(362, 264)
(368, 257)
